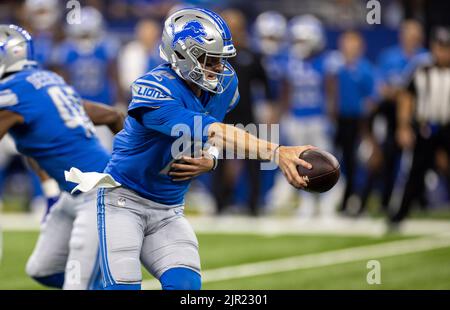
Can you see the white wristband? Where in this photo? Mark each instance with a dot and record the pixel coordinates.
(213, 151)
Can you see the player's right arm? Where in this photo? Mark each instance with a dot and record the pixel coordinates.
(164, 113)
(8, 120)
(287, 157)
(165, 118)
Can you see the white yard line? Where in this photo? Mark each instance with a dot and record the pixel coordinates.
(329, 258)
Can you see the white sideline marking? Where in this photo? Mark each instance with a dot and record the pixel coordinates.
(315, 260)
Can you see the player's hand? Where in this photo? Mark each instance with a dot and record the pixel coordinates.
(187, 167)
(287, 158)
(405, 137)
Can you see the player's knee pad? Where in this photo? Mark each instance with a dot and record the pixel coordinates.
(180, 279)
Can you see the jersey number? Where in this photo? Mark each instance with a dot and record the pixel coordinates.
(70, 109)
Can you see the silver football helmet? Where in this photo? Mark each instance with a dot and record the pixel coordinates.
(195, 40)
(16, 49)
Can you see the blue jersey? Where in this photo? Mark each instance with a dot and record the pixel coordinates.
(306, 78)
(88, 70)
(355, 85)
(57, 133)
(142, 149)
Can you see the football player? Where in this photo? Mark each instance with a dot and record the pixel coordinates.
(43, 19)
(51, 124)
(142, 220)
(271, 30)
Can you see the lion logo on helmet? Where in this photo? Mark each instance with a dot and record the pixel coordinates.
(192, 29)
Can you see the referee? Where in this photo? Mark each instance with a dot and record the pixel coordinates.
(424, 118)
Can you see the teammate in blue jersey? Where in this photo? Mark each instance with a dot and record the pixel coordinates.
(88, 58)
(271, 30)
(43, 19)
(141, 220)
(51, 124)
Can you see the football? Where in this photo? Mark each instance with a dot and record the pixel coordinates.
(325, 170)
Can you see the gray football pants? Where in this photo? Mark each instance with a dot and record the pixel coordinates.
(68, 242)
(135, 230)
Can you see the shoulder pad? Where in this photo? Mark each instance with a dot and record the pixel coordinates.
(147, 89)
(158, 84)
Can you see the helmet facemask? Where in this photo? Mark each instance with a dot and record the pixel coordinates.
(210, 70)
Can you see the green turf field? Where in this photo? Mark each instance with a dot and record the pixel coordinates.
(418, 270)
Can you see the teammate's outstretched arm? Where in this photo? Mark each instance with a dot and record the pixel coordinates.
(8, 120)
(101, 114)
(286, 157)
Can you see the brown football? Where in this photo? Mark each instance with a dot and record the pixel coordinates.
(325, 170)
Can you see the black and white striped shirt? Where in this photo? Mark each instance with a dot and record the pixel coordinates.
(430, 86)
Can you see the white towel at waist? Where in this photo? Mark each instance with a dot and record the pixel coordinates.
(89, 180)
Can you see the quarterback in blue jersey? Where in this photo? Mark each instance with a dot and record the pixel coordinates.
(141, 219)
(51, 124)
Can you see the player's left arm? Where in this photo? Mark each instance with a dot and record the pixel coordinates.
(101, 114)
(49, 186)
(8, 120)
(187, 168)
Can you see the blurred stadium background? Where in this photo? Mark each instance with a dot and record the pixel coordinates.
(254, 232)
